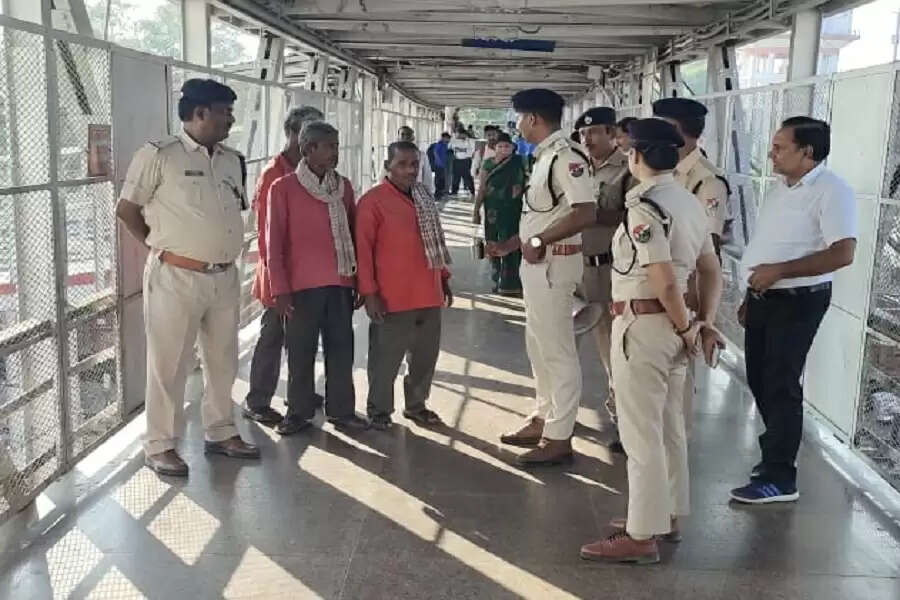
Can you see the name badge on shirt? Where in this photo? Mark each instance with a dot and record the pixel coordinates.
(191, 173)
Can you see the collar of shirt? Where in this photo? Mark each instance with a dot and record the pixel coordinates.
(807, 179)
(688, 162)
(406, 195)
(616, 159)
(192, 145)
(551, 142)
(634, 194)
(284, 164)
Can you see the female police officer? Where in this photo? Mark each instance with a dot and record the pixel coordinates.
(665, 235)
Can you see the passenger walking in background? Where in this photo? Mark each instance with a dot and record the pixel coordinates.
(463, 148)
(407, 134)
(804, 233)
(612, 178)
(182, 198)
(664, 236)
(560, 203)
(439, 158)
(501, 184)
(623, 140)
(487, 150)
(265, 367)
(312, 269)
(404, 279)
(701, 178)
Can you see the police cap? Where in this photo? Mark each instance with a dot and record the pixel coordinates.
(678, 108)
(654, 132)
(207, 91)
(600, 115)
(537, 100)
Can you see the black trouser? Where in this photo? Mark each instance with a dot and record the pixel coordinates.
(440, 182)
(780, 327)
(462, 169)
(329, 311)
(417, 332)
(265, 368)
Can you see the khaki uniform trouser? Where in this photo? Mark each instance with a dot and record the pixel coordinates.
(178, 305)
(648, 363)
(548, 288)
(595, 288)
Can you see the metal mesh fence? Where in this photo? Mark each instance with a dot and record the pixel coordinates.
(884, 303)
(93, 376)
(90, 242)
(29, 418)
(23, 109)
(752, 117)
(891, 187)
(84, 107)
(878, 416)
(248, 133)
(812, 100)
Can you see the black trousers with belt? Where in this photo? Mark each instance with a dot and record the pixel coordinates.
(329, 311)
(780, 327)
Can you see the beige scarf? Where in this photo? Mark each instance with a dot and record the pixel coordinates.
(330, 190)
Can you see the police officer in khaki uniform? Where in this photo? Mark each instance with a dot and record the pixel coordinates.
(559, 203)
(703, 179)
(662, 239)
(183, 198)
(597, 131)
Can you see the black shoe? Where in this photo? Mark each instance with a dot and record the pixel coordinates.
(617, 448)
(381, 422)
(266, 416)
(292, 425)
(351, 421)
(425, 417)
(318, 401)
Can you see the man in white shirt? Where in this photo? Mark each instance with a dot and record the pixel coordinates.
(463, 149)
(806, 230)
(406, 134)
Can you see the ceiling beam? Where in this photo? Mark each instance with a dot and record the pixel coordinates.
(588, 15)
(399, 51)
(547, 30)
(340, 37)
(412, 78)
(305, 7)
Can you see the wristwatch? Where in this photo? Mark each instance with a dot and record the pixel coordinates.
(536, 242)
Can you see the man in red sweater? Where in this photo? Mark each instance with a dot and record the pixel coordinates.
(312, 269)
(404, 279)
(265, 368)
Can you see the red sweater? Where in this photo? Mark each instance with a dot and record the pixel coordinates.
(300, 246)
(391, 254)
(277, 168)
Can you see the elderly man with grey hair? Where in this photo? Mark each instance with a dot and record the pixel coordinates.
(265, 368)
(312, 274)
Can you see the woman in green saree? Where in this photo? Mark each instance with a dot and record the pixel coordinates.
(502, 180)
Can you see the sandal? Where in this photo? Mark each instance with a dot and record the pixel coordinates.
(423, 417)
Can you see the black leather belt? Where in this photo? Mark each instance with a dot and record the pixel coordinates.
(794, 291)
(598, 260)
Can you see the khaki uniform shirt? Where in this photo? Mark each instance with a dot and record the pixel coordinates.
(696, 172)
(611, 179)
(645, 241)
(573, 183)
(191, 201)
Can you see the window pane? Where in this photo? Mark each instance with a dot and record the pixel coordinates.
(764, 61)
(230, 46)
(693, 76)
(860, 37)
(152, 26)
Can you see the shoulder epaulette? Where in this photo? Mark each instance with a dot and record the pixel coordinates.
(164, 142)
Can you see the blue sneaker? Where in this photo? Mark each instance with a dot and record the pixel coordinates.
(764, 492)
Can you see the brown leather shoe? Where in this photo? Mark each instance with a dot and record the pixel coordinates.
(527, 435)
(233, 447)
(548, 452)
(621, 547)
(167, 463)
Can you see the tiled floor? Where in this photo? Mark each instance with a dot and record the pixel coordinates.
(442, 514)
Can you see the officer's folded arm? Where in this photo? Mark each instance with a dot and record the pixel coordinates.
(132, 216)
